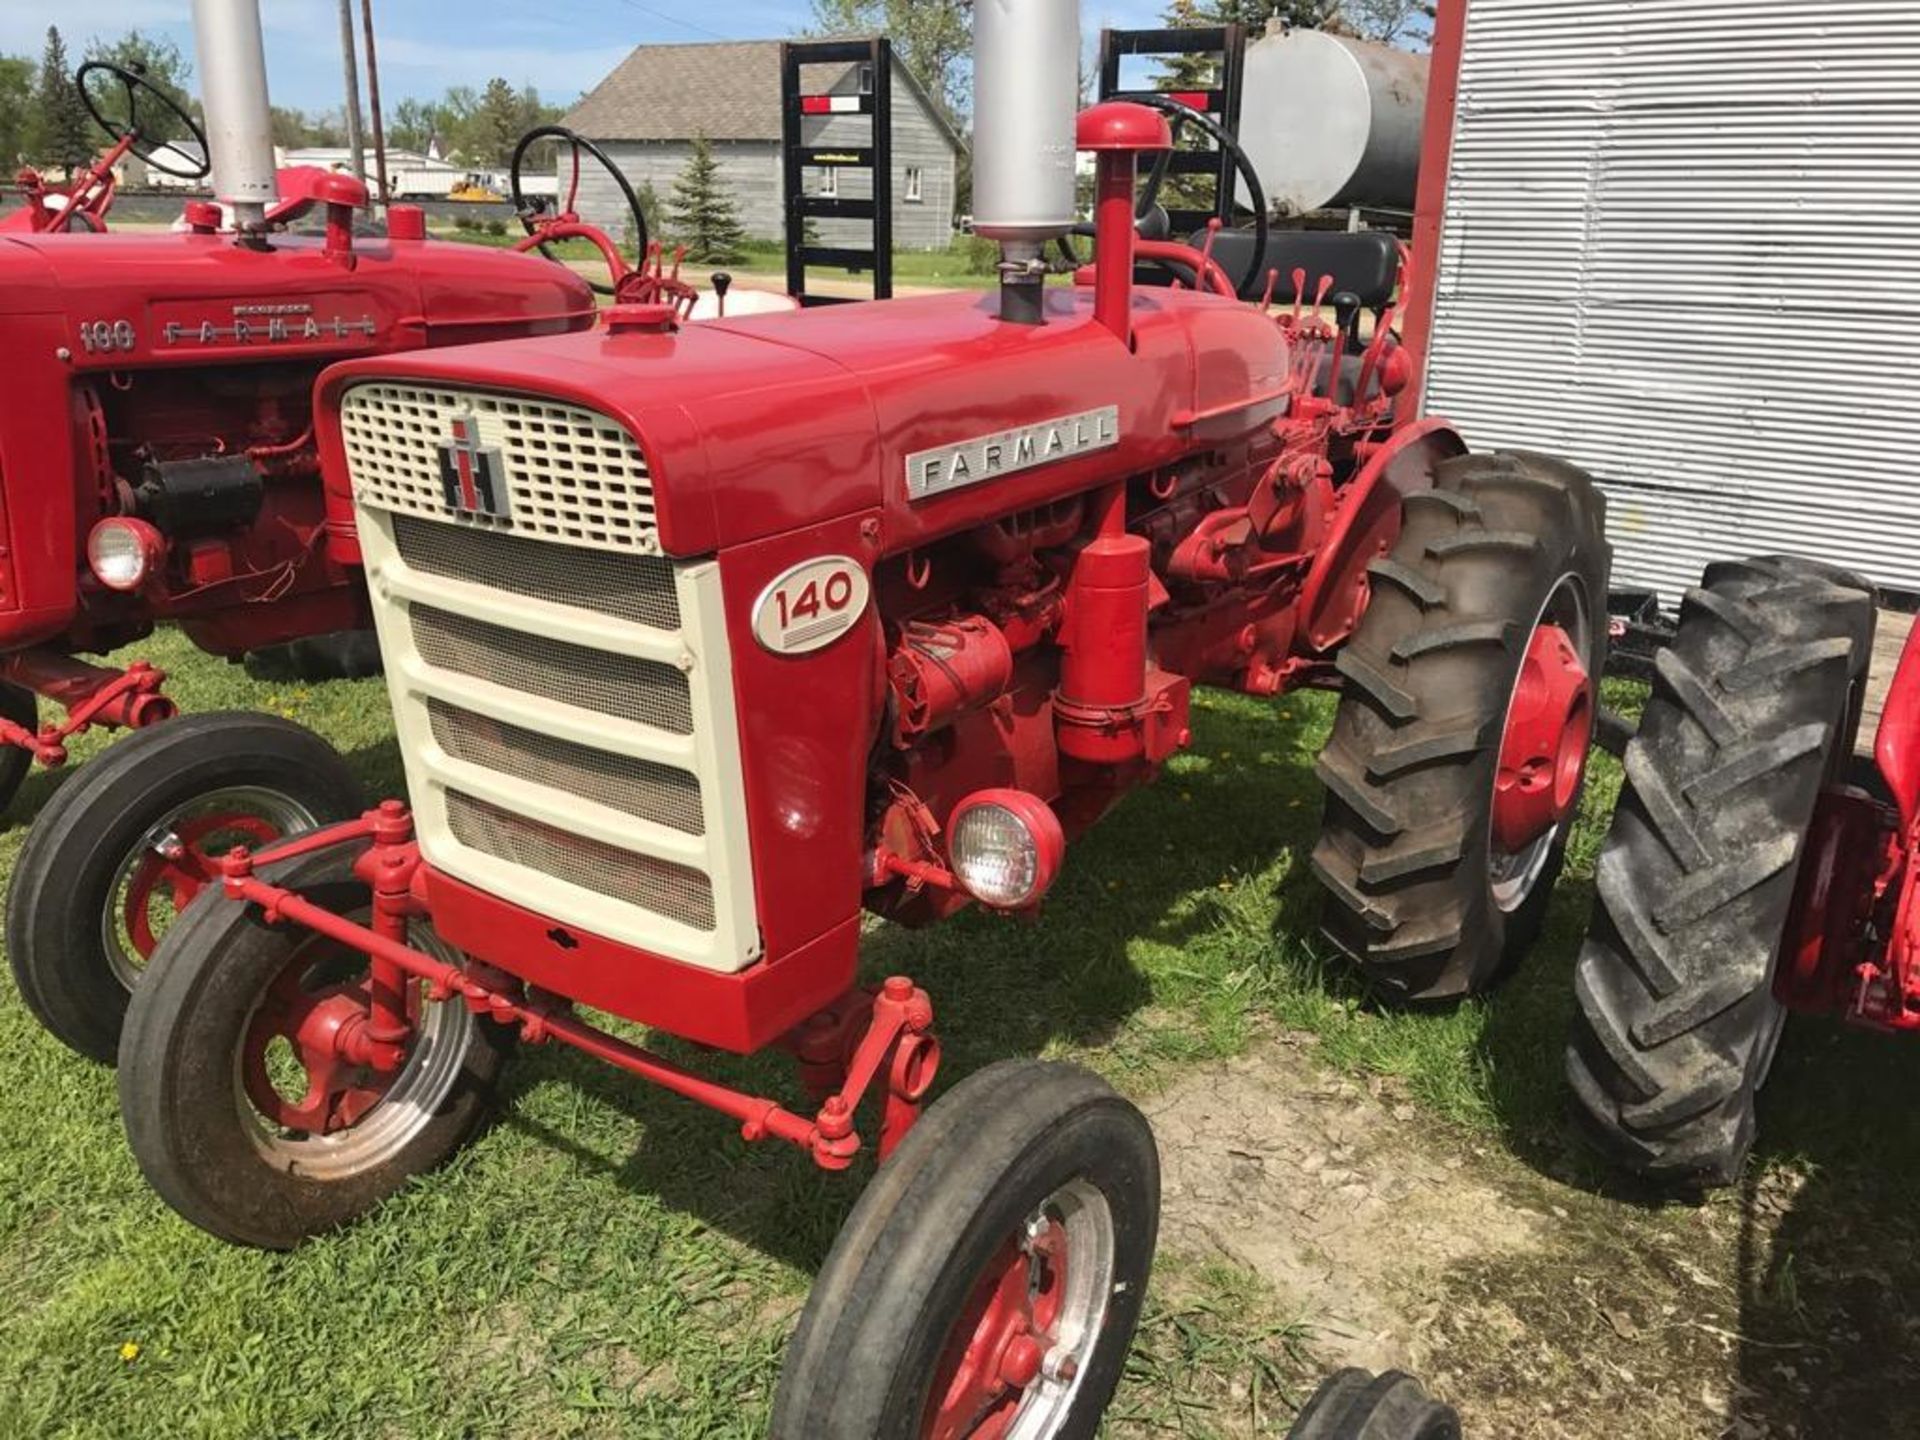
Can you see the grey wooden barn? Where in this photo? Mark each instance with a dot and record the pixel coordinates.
(648, 111)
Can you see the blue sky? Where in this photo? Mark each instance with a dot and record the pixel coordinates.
(561, 46)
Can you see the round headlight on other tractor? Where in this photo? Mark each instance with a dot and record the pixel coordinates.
(1005, 847)
(123, 553)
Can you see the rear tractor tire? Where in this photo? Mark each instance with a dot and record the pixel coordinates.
(1459, 747)
(990, 1279)
(1355, 1405)
(129, 840)
(239, 1110)
(1753, 711)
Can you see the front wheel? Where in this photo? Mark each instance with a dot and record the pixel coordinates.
(1459, 747)
(990, 1279)
(132, 837)
(1354, 1405)
(242, 1108)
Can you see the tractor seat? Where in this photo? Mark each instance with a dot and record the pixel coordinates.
(1365, 262)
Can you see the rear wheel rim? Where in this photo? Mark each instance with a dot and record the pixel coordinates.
(1014, 1360)
(1547, 727)
(174, 859)
(309, 1111)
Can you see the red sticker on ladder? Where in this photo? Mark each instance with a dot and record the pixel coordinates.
(829, 104)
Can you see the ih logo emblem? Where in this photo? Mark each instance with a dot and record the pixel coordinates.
(471, 474)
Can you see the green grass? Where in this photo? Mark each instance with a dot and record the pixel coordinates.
(959, 266)
(610, 1260)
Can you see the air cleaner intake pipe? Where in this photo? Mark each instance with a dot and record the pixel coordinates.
(1026, 88)
(233, 90)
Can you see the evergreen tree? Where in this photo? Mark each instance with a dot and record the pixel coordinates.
(702, 209)
(63, 133)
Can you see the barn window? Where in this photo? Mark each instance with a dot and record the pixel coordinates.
(913, 184)
(829, 186)
(866, 79)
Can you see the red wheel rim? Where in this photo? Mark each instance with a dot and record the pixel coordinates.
(317, 1018)
(996, 1347)
(1543, 749)
(1011, 1364)
(183, 871)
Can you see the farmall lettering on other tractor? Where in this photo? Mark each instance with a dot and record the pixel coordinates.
(704, 639)
(159, 462)
(1750, 871)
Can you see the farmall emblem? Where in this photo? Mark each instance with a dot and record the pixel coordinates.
(471, 474)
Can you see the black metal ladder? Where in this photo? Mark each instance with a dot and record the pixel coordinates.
(875, 101)
(1227, 45)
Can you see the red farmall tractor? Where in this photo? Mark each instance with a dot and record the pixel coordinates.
(160, 466)
(1746, 876)
(703, 640)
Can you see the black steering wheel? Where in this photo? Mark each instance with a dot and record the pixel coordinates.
(100, 81)
(1150, 220)
(529, 211)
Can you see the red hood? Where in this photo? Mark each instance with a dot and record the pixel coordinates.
(755, 426)
(413, 292)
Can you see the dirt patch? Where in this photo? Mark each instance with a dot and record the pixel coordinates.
(1541, 1309)
(1333, 1196)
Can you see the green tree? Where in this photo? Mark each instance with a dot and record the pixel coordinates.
(62, 133)
(411, 126)
(702, 211)
(931, 37)
(16, 111)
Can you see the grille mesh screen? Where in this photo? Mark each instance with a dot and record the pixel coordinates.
(652, 792)
(627, 587)
(572, 475)
(618, 685)
(657, 885)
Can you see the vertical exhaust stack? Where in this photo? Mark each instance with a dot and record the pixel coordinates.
(1026, 90)
(233, 90)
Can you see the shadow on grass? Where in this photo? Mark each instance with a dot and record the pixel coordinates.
(1134, 921)
(1830, 1238)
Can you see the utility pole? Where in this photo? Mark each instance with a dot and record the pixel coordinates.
(373, 105)
(354, 147)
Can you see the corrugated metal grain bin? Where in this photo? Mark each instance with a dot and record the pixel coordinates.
(1679, 244)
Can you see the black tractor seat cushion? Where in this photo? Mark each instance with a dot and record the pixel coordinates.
(1366, 262)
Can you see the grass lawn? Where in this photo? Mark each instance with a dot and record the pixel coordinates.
(609, 1260)
(955, 268)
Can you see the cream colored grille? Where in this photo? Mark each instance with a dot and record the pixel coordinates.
(660, 793)
(618, 685)
(627, 587)
(571, 475)
(659, 885)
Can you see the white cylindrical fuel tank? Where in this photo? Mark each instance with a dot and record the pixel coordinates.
(1328, 120)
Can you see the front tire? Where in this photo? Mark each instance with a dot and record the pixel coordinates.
(1028, 1196)
(1753, 710)
(240, 1124)
(1354, 1405)
(1499, 579)
(128, 841)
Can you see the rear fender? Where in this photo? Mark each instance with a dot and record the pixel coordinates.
(1368, 522)
(1896, 745)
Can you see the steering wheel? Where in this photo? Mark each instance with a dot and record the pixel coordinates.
(1150, 220)
(535, 216)
(145, 141)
